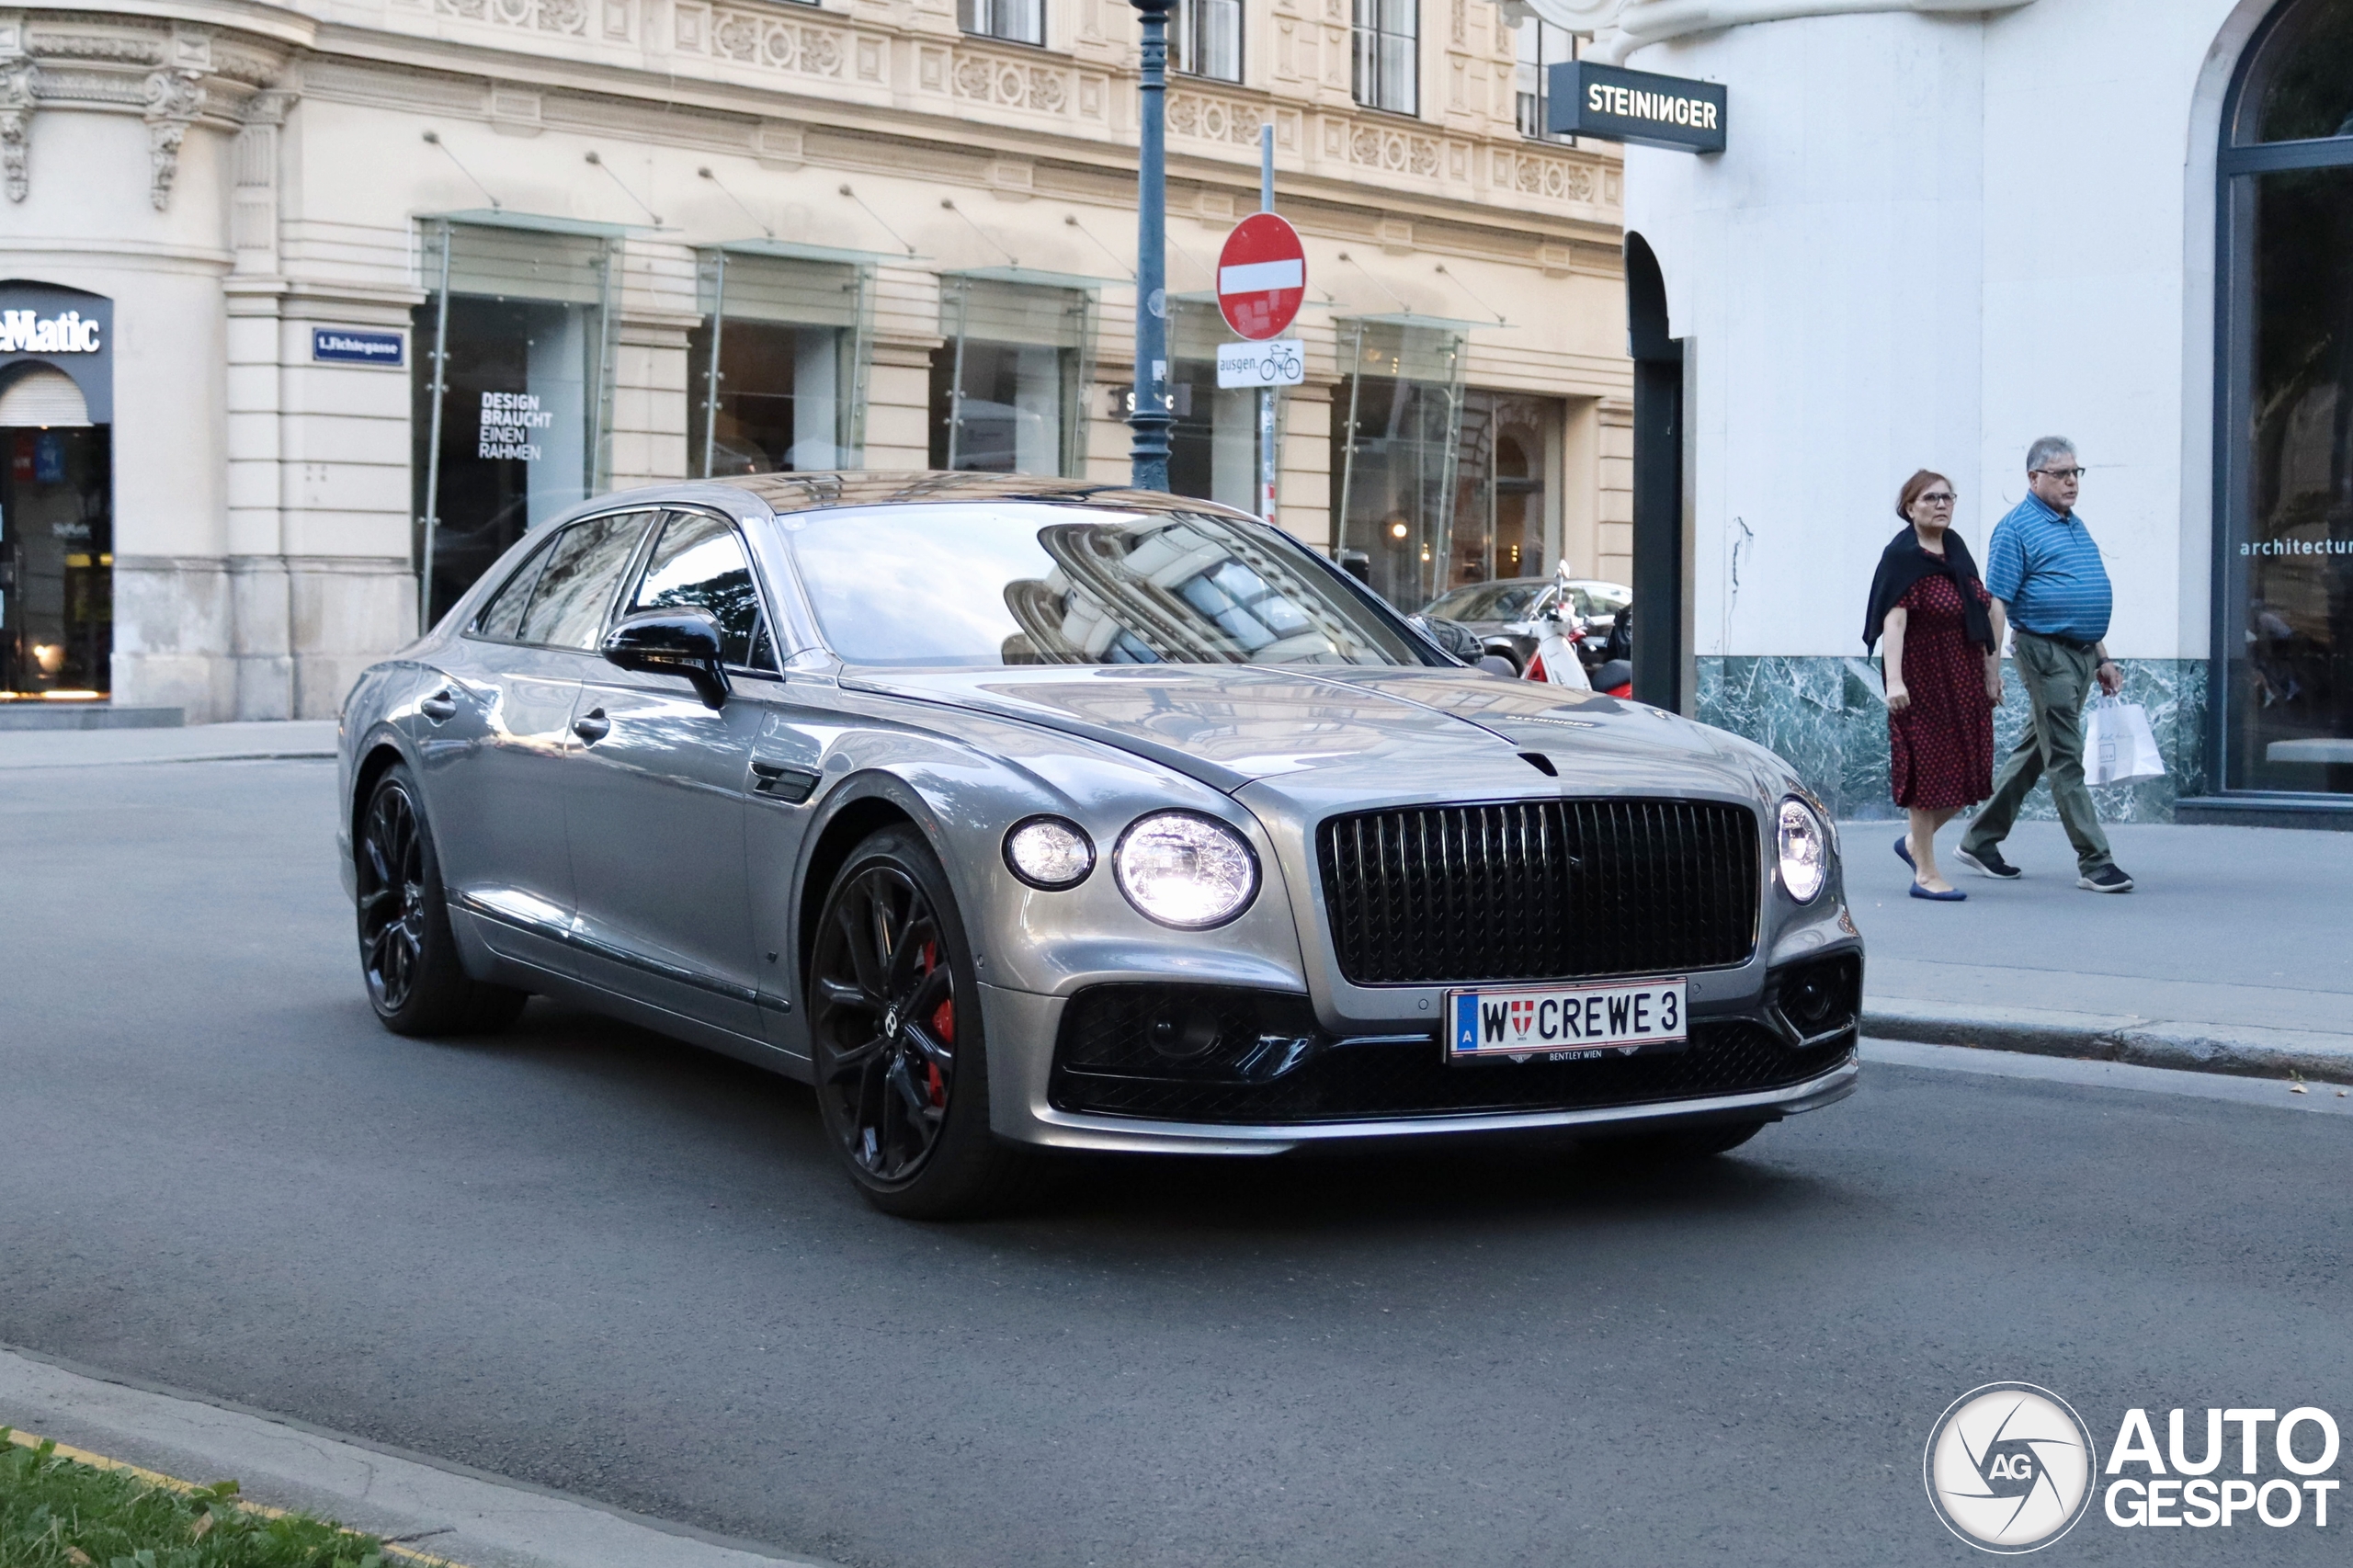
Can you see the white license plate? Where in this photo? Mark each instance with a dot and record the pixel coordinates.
(1567, 1023)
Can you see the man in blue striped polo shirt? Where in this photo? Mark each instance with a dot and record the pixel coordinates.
(2048, 573)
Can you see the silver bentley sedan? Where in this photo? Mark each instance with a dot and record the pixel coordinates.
(1017, 814)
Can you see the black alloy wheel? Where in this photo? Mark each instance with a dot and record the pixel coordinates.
(392, 899)
(407, 953)
(901, 1077)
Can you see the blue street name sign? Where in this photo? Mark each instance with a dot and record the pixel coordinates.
(1649, 110)
(342, 344)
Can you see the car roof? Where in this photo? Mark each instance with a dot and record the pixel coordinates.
(809, 491)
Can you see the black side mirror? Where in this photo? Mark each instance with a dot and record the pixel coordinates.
(672, 642)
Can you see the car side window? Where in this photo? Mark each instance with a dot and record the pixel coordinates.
(699, 563)
(576, 586)
(502, 619)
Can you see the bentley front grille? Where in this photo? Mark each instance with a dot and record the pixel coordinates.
(1539, 889)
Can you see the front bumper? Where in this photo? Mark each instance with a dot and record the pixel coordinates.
(1741, 1065)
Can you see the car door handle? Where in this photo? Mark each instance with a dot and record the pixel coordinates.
(593, 727)
(782, 781)
(441, 707)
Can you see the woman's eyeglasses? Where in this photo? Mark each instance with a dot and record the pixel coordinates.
(1939, 497)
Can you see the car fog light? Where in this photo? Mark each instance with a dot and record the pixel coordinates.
(1048, 852)
(1805, 851)
(1185, 870)
(1183, 1037)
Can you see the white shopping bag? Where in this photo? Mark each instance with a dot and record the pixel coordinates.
(2118, 744)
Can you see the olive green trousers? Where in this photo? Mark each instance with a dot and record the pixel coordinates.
(2059, 682)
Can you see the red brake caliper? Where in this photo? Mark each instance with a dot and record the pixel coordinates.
(943, 1024)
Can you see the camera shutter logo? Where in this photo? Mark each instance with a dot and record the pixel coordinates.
(2009, 1468)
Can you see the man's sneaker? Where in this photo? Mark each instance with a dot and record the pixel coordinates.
(1989, 863)
(2108, 879)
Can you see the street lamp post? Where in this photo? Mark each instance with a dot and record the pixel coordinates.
(1150, 418)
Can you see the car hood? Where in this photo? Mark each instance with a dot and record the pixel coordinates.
(1348, 734)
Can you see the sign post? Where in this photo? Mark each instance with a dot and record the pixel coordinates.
(1261, 283)
(1148, 453)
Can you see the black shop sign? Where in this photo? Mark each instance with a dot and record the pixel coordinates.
(1649, 110)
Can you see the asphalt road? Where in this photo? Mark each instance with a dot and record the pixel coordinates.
(589, 1259)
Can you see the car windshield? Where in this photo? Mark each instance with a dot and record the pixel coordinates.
(1014, 584)
(1485, 601)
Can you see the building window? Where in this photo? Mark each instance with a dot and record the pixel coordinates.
(2283, 675)
(1542, 45)
(1015, 21)
(1397, 435)
(1207, 35)
(790, 338)
(1213, 445)
(523, 411)
(1007, 385)
(1387, 72)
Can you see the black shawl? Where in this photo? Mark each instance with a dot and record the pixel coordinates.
(1904, 562)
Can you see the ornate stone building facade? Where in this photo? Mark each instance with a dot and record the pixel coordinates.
(659, 238)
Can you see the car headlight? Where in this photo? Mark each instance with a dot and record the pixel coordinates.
(1049, 852)
(1185, 870)
(1805, 851)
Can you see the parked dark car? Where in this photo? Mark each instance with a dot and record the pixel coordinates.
(1015, 813)
(1496, 614)
(1503, 614)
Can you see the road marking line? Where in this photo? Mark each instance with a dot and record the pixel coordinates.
(25, 1439)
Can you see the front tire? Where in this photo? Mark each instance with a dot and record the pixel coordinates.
(408, 956)
(902, 1070)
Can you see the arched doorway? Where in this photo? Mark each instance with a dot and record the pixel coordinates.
(2283, 686)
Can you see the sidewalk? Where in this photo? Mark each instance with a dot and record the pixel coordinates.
(200, 743)
(450, 1511)
(2234, 953)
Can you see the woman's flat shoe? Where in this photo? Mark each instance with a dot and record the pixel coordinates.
(1950, 895)
(1903, 850)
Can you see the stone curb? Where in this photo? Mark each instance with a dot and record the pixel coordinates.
(2143, 1042)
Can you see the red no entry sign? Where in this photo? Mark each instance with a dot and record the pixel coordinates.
(1261, 275)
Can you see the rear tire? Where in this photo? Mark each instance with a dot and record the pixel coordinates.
(408, 956)
(901, 1066)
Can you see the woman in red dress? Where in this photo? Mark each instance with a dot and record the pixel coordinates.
(1944, 674)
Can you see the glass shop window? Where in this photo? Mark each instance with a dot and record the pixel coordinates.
(1504, 518)
(2285, 685)
(1386, 63)
(1396, 435)
(56, 557)
(1213, 445)
(1015, 21)
(1205, 38)
(523, 416)
(1005, 387)
(789, 342)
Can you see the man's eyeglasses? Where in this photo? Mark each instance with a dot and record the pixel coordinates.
(1939, 497)
(2061, 475)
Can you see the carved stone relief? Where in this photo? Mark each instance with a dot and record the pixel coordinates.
(1213, 120)
(17, 98)
(173, 100)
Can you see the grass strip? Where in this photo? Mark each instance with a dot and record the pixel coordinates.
(63, 1508)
